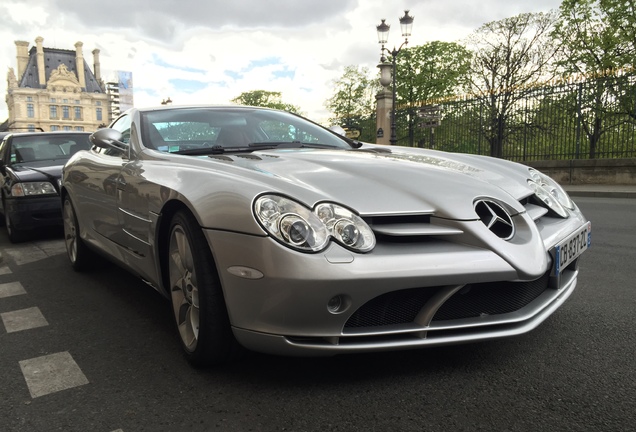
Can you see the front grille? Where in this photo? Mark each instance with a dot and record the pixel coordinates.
(491, 299)
(397, 307)
(473, 300)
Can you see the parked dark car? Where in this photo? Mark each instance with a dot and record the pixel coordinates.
(31, 167)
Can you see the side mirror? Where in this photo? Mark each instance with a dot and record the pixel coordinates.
(3, 170)
(108, 138)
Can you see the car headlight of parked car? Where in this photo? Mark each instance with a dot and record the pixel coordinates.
(32, 188)
(310, 230)
(550, 193)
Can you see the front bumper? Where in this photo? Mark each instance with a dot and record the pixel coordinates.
(286, 311)
(34, 212)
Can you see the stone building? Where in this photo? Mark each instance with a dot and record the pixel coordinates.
(47, 93)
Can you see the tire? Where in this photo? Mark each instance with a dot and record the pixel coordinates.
(81, 257)
(197, 299)
(15, 235)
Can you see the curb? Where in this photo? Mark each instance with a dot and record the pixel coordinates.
(602, 194)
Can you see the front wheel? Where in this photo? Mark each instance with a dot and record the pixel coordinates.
(15, 235)
(197, 298)
(78, 253)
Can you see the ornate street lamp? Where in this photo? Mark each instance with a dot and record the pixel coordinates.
(387, 66)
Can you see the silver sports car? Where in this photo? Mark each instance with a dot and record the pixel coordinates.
(270, 232)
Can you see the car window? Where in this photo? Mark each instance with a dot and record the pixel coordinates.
(123, 125)
(42, 149)
(183, 129)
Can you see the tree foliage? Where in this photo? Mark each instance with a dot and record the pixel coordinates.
(267, 99)
(510, 54)
(431, 71)
(596, 35)
(353, 101)
(599, 37)
(426, 72)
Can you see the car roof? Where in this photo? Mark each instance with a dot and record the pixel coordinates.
(52, 133)
(219, 107)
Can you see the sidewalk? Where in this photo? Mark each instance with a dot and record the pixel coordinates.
(601, 191)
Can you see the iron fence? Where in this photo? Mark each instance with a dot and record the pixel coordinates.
(584, 118)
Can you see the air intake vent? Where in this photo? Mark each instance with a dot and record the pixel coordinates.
(496, 218)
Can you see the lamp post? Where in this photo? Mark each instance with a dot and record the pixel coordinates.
(387, 70)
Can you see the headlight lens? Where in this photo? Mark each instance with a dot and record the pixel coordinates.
(310, 230)
(550, 193)
(32, 188)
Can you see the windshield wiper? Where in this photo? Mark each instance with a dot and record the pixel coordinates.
(201, 151)
(289, 144)
(217, 149)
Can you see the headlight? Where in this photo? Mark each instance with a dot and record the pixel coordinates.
(550, 193)
(310, 230)
(32, 188)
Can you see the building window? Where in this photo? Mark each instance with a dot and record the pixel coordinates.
(30, 111)
(98, 103)
(53, 111)
(78, 113)
(64, 100)
(67, 128)
(52, 100)
(79, 128)
(31, 128)
(77, 102)
(98, 113)
(55, 128)
(29, 99)
(66, 112)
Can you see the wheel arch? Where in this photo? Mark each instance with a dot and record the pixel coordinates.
(162, 239)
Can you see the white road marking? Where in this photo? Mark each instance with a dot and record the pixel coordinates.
(11, 289)
(4, 270)
(36, 251)
(23, 319)
(52, 373)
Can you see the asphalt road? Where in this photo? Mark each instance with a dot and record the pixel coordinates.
(122, 369)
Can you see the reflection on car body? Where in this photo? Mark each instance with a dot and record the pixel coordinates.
(284, 237)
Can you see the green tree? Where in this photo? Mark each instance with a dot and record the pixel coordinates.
(267, 99)
(510, 56)
(599, 38)
(426, 72)
(353, 101)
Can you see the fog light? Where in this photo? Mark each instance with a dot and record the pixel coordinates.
(338, 304)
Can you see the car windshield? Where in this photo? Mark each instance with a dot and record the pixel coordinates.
(220, 130)
(45, 149)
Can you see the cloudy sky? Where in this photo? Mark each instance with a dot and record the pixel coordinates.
(210, 51)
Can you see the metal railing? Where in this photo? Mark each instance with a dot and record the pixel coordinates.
(586, 117)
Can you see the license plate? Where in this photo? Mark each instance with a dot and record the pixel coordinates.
(572, 246)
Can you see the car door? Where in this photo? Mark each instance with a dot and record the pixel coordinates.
(136, 221)
(96, 186)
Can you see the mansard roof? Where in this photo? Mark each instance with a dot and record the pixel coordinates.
(53, 57)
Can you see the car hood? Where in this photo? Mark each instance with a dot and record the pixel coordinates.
(377, 180)
(27, 172)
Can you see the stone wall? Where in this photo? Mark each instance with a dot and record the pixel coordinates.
(589, 171)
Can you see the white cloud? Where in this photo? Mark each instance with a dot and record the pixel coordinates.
(162, 41)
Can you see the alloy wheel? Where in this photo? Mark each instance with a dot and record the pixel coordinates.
(183, 287)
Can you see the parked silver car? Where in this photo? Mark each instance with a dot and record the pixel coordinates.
(270, 232)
